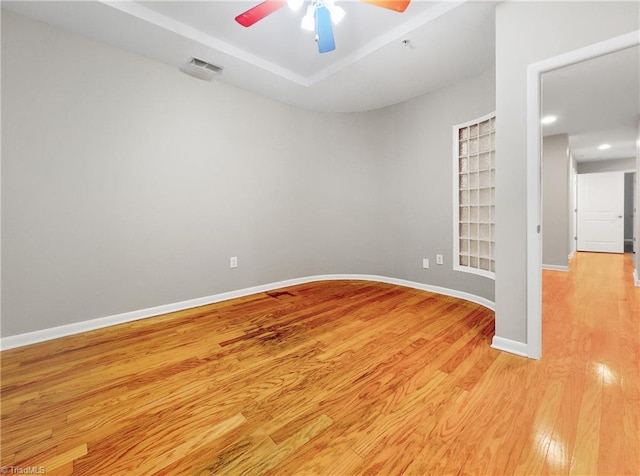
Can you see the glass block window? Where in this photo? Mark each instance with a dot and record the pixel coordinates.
(474, 196)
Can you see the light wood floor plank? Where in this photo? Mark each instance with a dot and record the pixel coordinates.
(339, 378)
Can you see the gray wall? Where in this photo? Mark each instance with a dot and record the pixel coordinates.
(527, 32)
(637, 230)
(573, 205)
(127, 184)
(555, 200)
(612, 165)
(629, 190)
(418, 206)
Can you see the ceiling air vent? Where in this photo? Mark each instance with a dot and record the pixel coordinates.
(201, 69)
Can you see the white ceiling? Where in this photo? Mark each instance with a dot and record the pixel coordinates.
(370, 68)
(596, 102)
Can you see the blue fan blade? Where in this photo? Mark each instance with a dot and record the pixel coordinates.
(324, 30)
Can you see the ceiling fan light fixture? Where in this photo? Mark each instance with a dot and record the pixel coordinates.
(295, 4)
(337, 13)
(309, 21)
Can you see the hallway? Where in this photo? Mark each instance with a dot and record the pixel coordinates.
(591, 333)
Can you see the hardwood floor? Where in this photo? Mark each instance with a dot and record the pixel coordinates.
(337, 378)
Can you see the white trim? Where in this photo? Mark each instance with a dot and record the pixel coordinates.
(511, 346)
(636, 278)
(571, 255)
(28, 338)
(555, 267)
(534, 241)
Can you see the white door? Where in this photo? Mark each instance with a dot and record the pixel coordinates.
(600, 212)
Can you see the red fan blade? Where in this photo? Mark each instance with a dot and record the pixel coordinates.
(260, 11)
(396, 5)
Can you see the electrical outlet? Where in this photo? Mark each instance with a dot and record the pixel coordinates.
(439, 259)
(425, 263)
(233, 262)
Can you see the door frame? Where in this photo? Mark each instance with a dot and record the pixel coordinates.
(534, 176)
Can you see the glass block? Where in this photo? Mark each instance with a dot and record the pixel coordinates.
(473, 197)
(464, 165)
(473, 163)
(493, 214)
(493, 231)
(473, 146)
(485, 161)
(493, 250)
(473, 230)
(485, 215)
(485, 179)
(485, 249)
(476, 167)
(485, 231)
(485, 196)
(493, 266)
(463, 148)
(485, 143)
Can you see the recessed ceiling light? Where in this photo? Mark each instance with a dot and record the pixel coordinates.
(604, 147)
(549, 119)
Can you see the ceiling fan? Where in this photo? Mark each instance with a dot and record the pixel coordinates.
(319, 16)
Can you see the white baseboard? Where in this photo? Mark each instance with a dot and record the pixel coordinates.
(511, 346)
(34, 337)
(636, 278)
(571, 255)
(555, 267)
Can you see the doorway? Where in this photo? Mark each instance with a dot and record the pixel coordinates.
(534, 138)
(601, 212)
